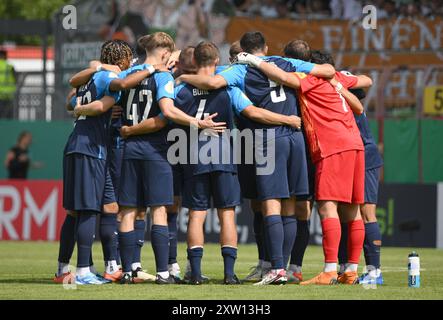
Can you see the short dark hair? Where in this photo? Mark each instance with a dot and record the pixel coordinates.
(185, 60)
(3, 54)
(298, 49)
(205, 54)
(321, 57)
(253, 42)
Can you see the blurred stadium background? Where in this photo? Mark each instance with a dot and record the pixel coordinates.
(404, 56)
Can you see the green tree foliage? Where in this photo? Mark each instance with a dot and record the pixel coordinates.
(30, 9)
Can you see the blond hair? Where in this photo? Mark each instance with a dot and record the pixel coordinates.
(157, 40)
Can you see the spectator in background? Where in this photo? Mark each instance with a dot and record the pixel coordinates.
(320, 8)
(268, 9)
(346, 9)
(192, 25)
(17, 161)
(8, 81)
(410, 8)
(389, 9)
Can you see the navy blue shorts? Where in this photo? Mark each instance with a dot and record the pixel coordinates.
(109, 196)
(246, 177)
(311, 180)
(83, 182)
(222, 187)
(178, 177)
(290, 175)
(372, 177)
(115, 158)
(145, 183)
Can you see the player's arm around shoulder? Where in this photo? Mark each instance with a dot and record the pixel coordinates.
(85, 75)
(242, 105)
(353, 102)
(202, 81)
(326, 71)
(149, 125)
(354, 81)
(94, 108)
(131, 80)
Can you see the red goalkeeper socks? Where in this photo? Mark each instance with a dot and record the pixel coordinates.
(356, 237)
(331, 238)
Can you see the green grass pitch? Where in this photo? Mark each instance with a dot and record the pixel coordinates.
(26, 270)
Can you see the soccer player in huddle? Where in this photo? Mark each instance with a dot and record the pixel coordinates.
(373, 163)
(337, 151)
(145, 157)
(217, 179)
(85, 170)
(277, 190)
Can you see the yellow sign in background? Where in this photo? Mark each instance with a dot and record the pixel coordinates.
(433, 100)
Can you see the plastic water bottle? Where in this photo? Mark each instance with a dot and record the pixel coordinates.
(414, 270)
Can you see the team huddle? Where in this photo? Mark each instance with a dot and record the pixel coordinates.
(156, 133)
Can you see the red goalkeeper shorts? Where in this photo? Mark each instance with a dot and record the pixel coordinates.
(341, 177)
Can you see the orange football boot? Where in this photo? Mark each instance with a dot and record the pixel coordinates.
(349, 277)
(67, 278)
(324, 278)
(114, 277)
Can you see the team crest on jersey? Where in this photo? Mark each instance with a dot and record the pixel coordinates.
(169, 87)
(301, 75)
(112, 75)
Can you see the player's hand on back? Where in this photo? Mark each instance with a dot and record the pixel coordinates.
(208, 123)
(124, 132)
(247, 58)
(333, 81)
(294, 122)
(94, 64)
(76, 109)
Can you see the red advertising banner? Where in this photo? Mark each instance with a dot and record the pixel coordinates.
(31, 209)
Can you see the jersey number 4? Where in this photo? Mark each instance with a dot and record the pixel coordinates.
(144, 95)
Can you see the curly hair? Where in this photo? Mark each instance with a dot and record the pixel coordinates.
(116, 52)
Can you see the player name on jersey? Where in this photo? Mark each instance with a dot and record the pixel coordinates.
(199, 92)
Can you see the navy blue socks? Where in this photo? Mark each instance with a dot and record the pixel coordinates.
(259, 234)
(301, 242)
(229, 255)
(372, 244)
(67, 239)
(160, 245)
(274, 237)
(343, 248)
(127, 245)
(108, 228)
(195, 257)
(139, 228)
(172, 229)
(290, 232)
(85, 237)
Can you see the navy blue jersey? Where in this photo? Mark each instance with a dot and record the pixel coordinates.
(91, 133)
(140, 103)
(201, 103)
(265, 93)
(373, 158)
(116, 139)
